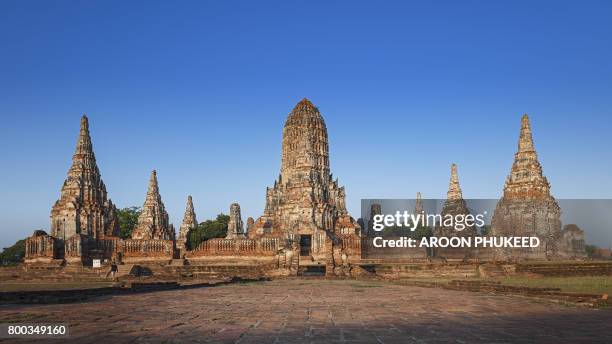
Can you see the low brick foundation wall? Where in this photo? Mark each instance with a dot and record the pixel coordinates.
(424, 270)
(78, 295)
(546, 294)
(566, 269)
(555, 294)
(221, 271)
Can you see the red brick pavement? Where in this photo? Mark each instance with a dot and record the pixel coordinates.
(318, 311)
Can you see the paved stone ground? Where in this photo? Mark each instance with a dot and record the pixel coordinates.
(319, 311)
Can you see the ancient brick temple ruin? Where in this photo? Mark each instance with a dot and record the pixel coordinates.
(375, 209)
(189, 223)
(83, 219)
(419, 208)
(235, 227)
(84, 207)
(527, 207)
(84, 224)
(572, 244)
(153, 222)
(153, 237)
(305, 224)
(305, 221)
(306, 205)
(454, 206)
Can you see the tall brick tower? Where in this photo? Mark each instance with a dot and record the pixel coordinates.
(84, 207)
(527, 208)
(305, 203)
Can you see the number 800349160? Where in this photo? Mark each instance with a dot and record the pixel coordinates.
(35, 330)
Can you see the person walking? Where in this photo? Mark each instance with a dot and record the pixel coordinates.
(113, 269)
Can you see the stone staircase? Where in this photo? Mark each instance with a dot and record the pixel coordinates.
(294, 265)
(312, 270)
(177, 262)
(125, 270)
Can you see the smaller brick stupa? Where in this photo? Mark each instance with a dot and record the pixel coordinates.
(153, 222)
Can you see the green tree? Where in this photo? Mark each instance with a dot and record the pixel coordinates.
(128, 218)
(590, 250)
(208, 229)
(422, 232)
(484, 230)
(419, 233)
(13, 255)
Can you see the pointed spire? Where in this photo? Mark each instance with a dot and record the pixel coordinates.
(83, 150)
(190, 216)
(84, 146)
(527, 207)
(454, 190)
(526, 180)
(189, 223)
(83, 159)
(525, 139)
(454, 205)
(153, 189)
(84, 206)
(153, 222)
(190, 203)
(418, 209)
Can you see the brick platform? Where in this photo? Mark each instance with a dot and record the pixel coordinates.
(319, 311)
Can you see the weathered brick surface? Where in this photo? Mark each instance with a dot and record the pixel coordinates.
(320, 311)
(189, 223)
(527, 208)
(590, 268)
(153, 221)
(84, 206)
(305, 201)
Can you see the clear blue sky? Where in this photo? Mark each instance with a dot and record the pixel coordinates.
(200, 91)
